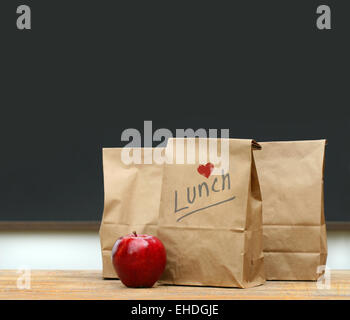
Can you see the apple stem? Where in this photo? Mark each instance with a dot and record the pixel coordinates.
(134, 232)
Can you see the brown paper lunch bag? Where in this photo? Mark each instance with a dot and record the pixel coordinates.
(291, 180)
(213, 238)
(131, 200)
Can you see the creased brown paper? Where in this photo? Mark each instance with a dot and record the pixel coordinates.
(291, 181)
(132, 198)
(212, 227)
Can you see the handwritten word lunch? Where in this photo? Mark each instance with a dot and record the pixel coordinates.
(203, 190)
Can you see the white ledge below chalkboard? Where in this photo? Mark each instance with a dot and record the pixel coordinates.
(95, 225)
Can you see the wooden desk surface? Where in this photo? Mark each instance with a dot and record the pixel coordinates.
(88, 284)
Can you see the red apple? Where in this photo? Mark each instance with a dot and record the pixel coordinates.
(139, 260)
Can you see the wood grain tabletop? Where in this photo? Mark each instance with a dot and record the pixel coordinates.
(87, 284)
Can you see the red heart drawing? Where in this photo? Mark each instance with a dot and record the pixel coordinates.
(205, 170)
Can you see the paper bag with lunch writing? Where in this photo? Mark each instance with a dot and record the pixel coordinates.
(210, 221)
(291, 181)
(132, 197)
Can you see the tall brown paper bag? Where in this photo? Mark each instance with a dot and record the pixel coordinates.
(291, 181)
(217, 239)
(132, 198)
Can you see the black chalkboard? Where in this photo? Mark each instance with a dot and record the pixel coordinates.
(90, 69)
